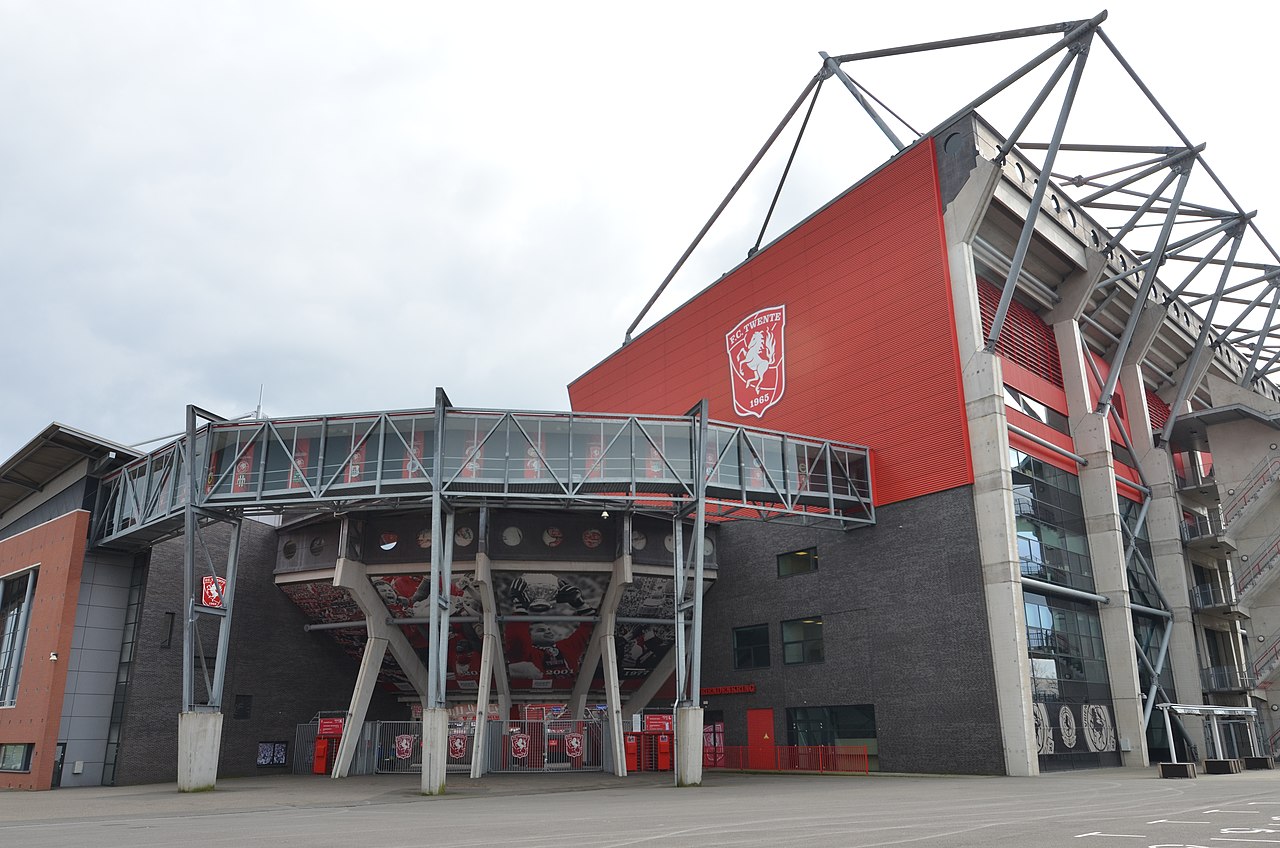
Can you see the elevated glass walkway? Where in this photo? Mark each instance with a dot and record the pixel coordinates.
(392, 460)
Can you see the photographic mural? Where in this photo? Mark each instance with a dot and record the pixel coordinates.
(543, 652)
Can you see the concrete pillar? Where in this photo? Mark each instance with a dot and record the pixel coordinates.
(199, 740)
(1164, 522)
(1103, 524)
(688, 729)
(435, 749)
(992, 481)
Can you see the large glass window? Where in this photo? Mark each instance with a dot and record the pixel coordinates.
(1053, 545)
(1074, 719)
(15, 611)
(751, 646)
(802, 640)
(797, 562)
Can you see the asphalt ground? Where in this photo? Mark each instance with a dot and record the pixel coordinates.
(1126, 808)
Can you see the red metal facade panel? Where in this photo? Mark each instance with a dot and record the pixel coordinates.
(869, 342)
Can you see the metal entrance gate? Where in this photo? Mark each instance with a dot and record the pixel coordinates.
(547, 745)
(399, 746)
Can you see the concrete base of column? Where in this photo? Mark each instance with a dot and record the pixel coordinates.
(688, 727)
(199, 740)
(435, 750)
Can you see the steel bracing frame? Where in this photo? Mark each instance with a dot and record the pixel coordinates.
(685, 467)
(1174, 326)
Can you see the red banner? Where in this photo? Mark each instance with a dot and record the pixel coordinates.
(301, 459)
(244, 471)
(355, 468)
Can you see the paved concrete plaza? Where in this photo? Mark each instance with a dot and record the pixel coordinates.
(1092, 809)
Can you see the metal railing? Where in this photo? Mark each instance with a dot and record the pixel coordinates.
(1225, 678)
(382, 459)
(1252, 567)
(1258, 479)
(1198, 526)
(1209, 595)
(1267, 661)
(845, 759)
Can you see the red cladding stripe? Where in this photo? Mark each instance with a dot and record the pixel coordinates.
(869, 341)
(1157, 409)
(1025, 338)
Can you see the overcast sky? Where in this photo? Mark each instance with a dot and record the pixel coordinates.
(352, 203)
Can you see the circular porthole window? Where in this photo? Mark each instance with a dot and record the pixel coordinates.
(290, 549)
(317, 546)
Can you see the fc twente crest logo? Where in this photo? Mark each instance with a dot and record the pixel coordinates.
(757, 367)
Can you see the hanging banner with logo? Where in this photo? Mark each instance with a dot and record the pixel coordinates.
(519, 746)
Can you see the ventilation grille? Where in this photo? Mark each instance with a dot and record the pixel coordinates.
(1158, 410)
(1025, 339)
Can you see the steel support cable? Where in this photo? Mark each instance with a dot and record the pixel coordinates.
(885, 106)
(1192, 364)
(968, 40)
(795, 148)
(834, 67)
(1142, 209)
(1191, 241)
(1257, 348)
(1034, 109)
(1268, 277)
(1205, 262)
(1141, 521)
(1142, 86)
(1028, 227)
(715, 216)
(1084, 27)
(1167, 162)
(1080, 181)
(1149, 279)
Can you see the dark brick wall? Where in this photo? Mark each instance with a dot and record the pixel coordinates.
(904, 628)
(289, 673)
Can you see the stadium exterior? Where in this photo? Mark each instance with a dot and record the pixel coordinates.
(947, 470)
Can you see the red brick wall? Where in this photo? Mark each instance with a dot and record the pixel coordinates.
(870, 342)
(58, 547)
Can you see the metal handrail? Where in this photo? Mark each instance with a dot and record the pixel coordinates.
(1225, 678)
(1265, 661)
(1208, 595)
(1266, 556)
(1265, 472)
(1202, 526)
(385, 459)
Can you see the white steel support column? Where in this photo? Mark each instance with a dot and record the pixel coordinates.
(351, 575)
(992, 480)
(1103, 524)
(1164, 522)
(375, 649)
(493, 667)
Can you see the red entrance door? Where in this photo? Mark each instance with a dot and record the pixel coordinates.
(760, 741)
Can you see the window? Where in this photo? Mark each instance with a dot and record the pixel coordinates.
(15, 757)
(751, 646)
(802, 640)
(15, 610)
(844, 725)
(797, 562)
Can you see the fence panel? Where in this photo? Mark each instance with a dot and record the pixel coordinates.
(810, 758)
(549, 745)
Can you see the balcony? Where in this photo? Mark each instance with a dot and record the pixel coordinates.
(1226, 679)
(1213, 599)
(1205, 533)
